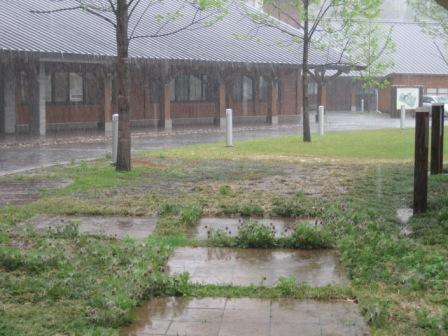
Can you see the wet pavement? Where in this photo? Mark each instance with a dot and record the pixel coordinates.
(23, 154)
(19, 192)
(115, 227)
(243, 267)
(246, 317)
(230, 226)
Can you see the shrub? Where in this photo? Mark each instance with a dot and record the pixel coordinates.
(306, 236)
(220, 238)
(190, 214)
(298, 206)
(254, 234)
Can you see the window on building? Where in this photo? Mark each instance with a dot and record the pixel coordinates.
(60, 87)
(155, 91)
(264, 89)
(72, 87)
(76, 88)
(443, 92)
(243, 90)
(312, 88)
(431, 91)
(192, 88)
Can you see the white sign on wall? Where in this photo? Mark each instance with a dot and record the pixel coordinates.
(409, 97)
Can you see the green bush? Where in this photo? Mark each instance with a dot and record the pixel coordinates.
(306, 236)
(220, 238)
(254, 234)
(190, 214)
(245, 210)
(298, 206)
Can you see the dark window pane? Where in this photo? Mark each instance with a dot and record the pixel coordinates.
(238, 89)
(93, 92)
(195, 88)
(248, 91)
(264, 89)
(60, 87)
(155, 92)
(181, 87)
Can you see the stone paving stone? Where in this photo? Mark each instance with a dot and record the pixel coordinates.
(231, 225)
(245, 317)
(19, 192)
(257, 266)
(118, 227)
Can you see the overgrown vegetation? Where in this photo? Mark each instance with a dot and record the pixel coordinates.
(63, 282)
(252, 234)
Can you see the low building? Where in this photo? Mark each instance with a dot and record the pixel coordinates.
(57, 69)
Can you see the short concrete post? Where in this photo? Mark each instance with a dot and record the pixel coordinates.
(229, 127)
(115, 119)
(421, 161)
(402, 116)
(362, 105)
(321, 120)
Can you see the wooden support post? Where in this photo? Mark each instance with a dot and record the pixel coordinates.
(166, 107)
(221, 115)
(421, 162)
(108, 104)
(437, 133)
(273, 103)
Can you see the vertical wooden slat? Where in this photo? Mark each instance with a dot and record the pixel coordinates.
(437, 131)
(421, 162)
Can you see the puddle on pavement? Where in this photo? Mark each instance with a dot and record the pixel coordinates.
(18, 192)
(246, 317)
(231, 226)
(404, 215)
(117, 227)
(245, 267)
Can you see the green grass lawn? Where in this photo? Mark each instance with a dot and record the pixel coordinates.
(390, 144)
(64, 283)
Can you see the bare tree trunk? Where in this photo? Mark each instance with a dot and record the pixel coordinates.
(122, 70)
(305, 97)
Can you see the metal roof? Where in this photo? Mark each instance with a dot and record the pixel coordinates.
(79, 33)
(416, 52)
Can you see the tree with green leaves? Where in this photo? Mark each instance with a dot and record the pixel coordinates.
(127, 18)
(324, 25)
(434, 21)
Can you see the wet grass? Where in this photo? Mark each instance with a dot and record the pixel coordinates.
(65, 283)
(387, 145)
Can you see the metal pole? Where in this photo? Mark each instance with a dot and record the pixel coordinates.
(114, 138)
(421, 162)
(437, 131)
(402, 116)
(321, 120)
(229, 124)
(362, 105)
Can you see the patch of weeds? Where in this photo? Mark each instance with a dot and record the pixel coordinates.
(176, 219)
(305, 236)
(254, 234)
(298, 206)
(247, 209)
(225, 190)
(66, 231)
(287, 285)
(376, 312)
(220, 238)
(435, 324)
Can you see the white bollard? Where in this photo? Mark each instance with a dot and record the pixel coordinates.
(114, 138)
(321, 120)
(402, 116)
(229, 127)
(362, 105)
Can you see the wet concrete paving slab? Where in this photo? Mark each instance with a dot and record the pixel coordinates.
(116, 227)
(231, 225)
(243, 267)
(19, 192)
(246, 317)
